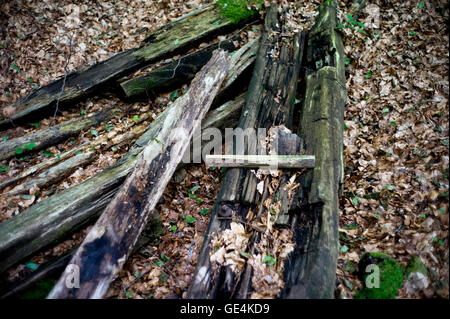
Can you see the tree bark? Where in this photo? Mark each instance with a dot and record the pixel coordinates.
(36, 228)
(269, 103)
(107, 246)
(311, 269)
(169, 39)
(54, 134)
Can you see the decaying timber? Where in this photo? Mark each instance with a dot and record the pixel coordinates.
(269, 103)
(169, 39)
(35, 228)
(54, 134)
(311, 270)
(259, 161)
(108, 244)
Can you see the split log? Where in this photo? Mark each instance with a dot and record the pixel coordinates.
(54, 134)
(65, 168)
(169, 39)
(107, 246)
(182, 70)
(36, 228)
(175, 74)
(269, 103)
(259, 161)
(311, 270)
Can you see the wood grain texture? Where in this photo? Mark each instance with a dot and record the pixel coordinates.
(45, 222)
(107, 246)
(259, 161)
(311, 270)
(269, 102)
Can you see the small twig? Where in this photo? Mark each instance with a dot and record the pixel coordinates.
(65, 76)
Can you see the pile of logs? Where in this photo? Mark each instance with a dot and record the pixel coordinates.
(122, 198)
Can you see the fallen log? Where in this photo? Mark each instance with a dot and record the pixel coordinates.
(172, 75)
(54, 268)
(101, 140)
(65, 168)
(311, 269)
(54, 134)
(169, 39)
(260, 161)
(36, 228)
(269, 104)
(108, 244)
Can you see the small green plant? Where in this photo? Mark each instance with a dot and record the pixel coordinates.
(238, 10)
(29, 147)
(190, 220)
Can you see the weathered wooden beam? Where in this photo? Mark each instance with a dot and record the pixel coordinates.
(175, 74)
(259, 161)
(107, 246)
(269, 103)
(47, 221)
(311, 269)
(54, 134)
(36, 228)
(66, 167)
(169, 39)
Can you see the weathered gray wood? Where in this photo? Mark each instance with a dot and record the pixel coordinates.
(65, 156)
(107, 246)
(259, 161)
(55, 134)
(66, 167)
(169, 39)
(36, 227)
(269, 103)
(311, 270)
(173, 75)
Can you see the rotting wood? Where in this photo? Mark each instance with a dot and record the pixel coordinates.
(108, 244)
(259, 161)
(36, 228)
(66, 167)
(54, 134)
(168, 39)
(269, 103)
(172, 75)
(311, 270)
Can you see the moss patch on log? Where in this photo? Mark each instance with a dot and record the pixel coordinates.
(238, 10)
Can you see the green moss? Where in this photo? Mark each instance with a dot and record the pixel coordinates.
(237, 10)
(416, 265)
(391, 276)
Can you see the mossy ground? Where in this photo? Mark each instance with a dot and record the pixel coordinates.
(237, 10)
(391, 277)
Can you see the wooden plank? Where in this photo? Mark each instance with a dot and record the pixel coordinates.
(107, 246)
(259, 161)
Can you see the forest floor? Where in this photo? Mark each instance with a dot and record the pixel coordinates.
(396, 144)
